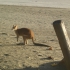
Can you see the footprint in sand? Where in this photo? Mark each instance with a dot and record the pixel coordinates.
(4, 34)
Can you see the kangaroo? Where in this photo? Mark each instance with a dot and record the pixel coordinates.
(25, 33)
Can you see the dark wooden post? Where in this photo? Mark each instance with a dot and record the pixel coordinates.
(64, 42)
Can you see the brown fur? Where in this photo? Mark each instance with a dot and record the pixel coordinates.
(25, 33)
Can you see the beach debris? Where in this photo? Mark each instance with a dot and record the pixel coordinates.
(50, 48)
(4, 33)
(52, 40)
(54, 64)
(39, 55)
(50, 57)
(6, 54)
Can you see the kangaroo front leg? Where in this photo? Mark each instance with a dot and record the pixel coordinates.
(24, 41)
(17, 38)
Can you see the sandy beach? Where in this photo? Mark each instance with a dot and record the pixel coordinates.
(14, 55)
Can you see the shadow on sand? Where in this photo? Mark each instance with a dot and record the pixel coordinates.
(47, 66)
(35, 44)
(39, 44)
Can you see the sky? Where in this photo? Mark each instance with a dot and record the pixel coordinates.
(41, 3)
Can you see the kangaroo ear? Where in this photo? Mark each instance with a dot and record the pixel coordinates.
(16, 25)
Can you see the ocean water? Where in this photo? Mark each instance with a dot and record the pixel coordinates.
(40, 3)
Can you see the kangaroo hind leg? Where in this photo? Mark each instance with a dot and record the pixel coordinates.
(33, 40)
(25, 41)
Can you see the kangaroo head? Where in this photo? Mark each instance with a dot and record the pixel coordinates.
(14, 27)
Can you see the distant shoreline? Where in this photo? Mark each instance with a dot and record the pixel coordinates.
(32, 6)
(54, 4)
